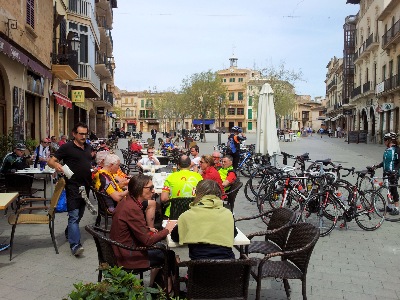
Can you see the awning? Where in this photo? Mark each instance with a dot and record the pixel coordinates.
(131, 122)
(206, 121)
(62, 100)
(17, 55)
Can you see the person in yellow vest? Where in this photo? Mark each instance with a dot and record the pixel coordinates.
(180, 184)
(227, 173)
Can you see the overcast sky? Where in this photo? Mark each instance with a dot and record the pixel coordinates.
(157, 43)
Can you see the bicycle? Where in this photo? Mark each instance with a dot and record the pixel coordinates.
(383, 189)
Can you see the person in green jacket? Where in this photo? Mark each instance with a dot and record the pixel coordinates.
(207, 227)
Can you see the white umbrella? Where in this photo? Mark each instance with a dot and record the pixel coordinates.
(267, 139)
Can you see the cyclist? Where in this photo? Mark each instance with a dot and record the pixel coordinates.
(391, 162)
(234, 141)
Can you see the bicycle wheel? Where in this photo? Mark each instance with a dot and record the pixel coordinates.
(383, 190)
(366, 184)
(251, 189)
(320, 210)
(371, 211)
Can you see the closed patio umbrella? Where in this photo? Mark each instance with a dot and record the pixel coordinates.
(267, 139)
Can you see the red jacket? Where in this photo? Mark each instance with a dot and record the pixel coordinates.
(212, 173)
(129, 228)
(135, 147)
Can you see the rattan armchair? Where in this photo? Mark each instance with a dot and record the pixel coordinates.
(179, 206)
(294, 259)
(216, 278)
(41, 215)
(102, 211)
(232, 193)
(107, 257)
(279, 221)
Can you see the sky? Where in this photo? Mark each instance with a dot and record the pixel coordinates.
(158, 43)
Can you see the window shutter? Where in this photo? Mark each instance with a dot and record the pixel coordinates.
(84, 48)
(30, 13)
(63, 32)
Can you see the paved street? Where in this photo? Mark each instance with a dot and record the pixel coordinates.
(348, 264)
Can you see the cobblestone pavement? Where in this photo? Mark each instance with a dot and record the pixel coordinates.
(347, 264)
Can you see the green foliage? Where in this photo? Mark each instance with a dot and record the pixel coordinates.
(117, 284)
(7, 143)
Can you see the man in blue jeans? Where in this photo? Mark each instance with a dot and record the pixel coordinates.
(76, 154)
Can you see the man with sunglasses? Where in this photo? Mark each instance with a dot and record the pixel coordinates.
(77, 155)
(149, 160)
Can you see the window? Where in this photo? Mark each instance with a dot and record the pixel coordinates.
(224, 80)
(231, 96)
(30, 13)
(250, 113)
(383, 72)
(240, 111)
(250, 101)
(249, 125)
(240, 95)
(240, 79)
(240, 124)
(84, 56)
(142, 114)
(142, 103)
(128, 113)
(231, 79)
(231, 111)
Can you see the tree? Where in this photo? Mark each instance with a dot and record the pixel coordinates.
(200, 92)
(282, 82)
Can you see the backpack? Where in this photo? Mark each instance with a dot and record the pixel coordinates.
(231, 147)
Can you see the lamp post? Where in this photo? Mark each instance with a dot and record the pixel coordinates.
(219, 119)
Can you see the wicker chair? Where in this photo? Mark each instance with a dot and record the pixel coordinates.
(294, 259)
(102, 210)
(179, 206)
(125, 169)
(46, 217)
(107, 257)
(216, 279)
(279, 221)
(232, 193)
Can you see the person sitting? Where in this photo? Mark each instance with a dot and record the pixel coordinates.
(136, 147)
(209, 172)
(120, 177)
(15, 160)
(54, 144)
(42, 153)
(207, 227)
(149, 160)
(228, 175)
(217, 159)
(102, 146)
(104, 181)
(63, 140)
(194, 151)
(129, 228)
(167, 145)
(180, 184)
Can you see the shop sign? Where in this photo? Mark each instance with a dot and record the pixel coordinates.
(387, 106)
(347, 112)
(82, 105)
(78, 96)
(100, 110)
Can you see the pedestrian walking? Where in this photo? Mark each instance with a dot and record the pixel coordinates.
(76, 154)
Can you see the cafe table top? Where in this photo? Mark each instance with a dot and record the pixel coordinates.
(240, 239)
(158, 180)
(6, 199)
(36, 171)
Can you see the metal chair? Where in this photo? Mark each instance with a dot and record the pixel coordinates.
(294, 259)
(108, 259)
(46, 216)
(179, 206)
(216, 279)
(232, 193)
(102, 210)
(278, 223)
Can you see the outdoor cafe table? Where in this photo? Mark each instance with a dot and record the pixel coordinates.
(158, 181)
(156, 167)
(6, 199)
(240, 239)
(47, 171)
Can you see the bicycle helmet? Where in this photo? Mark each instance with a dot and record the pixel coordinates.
(235, 128)
(390, 136)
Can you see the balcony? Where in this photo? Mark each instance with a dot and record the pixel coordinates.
(87, 80)
(84, 8)
(369, 45)
(392, 37)
(332, 85)
(104, 67)
(106, 99)
(356, 91)
(65, 66)
(390, 85)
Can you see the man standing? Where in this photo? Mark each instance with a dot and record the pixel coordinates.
(234, 141)
(14, 160)
(76, 154)
(180, 184)
(153, 133)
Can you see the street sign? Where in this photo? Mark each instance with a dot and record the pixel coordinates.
(387, 106)
(100, 110)
(347, 112)
(78, 96)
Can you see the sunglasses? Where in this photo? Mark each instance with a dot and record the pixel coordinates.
(149, 187)
(150, 152)
(82, 133)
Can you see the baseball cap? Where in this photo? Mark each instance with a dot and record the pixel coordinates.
(20, 146)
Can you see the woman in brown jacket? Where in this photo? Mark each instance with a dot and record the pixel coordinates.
(129, 228)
